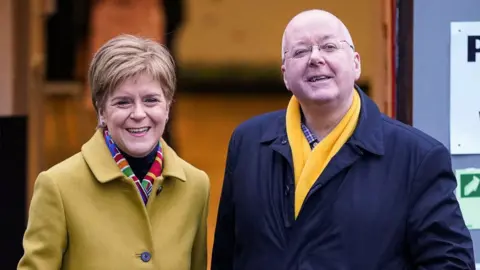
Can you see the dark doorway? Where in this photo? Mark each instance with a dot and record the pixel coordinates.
(404, 60)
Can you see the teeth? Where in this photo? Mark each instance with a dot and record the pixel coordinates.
(137, 130)
(318, 78)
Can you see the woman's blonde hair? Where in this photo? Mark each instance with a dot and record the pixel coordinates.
(128, 56)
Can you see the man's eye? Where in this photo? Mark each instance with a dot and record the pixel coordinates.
(330, 47)
(300, 52)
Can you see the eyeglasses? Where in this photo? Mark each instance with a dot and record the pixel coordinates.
(304, 51)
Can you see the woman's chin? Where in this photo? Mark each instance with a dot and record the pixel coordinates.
(139, 149)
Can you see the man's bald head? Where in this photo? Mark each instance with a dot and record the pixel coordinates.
(314, 16)
(317, 65)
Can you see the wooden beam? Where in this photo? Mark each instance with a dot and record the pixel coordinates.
(404, 60)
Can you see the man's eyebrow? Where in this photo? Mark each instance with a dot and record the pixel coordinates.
(326, 37)
(300, 42)
(322, 38)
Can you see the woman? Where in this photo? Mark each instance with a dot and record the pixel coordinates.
(126, 200)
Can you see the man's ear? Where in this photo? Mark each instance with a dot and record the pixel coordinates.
(285, 81)
(357, 66)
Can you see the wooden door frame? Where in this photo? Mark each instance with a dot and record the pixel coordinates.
(29, 80)
(404, 61)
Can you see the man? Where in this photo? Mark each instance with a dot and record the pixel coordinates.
(330, 182)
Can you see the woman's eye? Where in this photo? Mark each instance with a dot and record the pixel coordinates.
(122, 103)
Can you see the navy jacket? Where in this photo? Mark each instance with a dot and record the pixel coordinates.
(386, 201)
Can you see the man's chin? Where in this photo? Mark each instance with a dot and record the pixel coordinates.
(321, 97)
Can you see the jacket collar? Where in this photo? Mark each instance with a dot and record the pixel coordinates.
(100, 161)
(368, 134)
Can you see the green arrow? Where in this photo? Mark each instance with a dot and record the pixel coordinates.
(472, 186)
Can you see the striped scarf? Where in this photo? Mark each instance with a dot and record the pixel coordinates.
(145, 186)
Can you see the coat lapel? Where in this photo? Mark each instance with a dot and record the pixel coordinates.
(275, 135)
(366, 139)
(173, 165)
(98, 158)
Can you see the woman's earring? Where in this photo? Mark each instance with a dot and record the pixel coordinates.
(102, 123)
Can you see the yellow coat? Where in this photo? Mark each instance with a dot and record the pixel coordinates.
(86, 215)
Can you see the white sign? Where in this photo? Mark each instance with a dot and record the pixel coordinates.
(468, 195)
(464, 88)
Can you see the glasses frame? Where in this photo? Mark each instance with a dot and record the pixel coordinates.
(319, 48)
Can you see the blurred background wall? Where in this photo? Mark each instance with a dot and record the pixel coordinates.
(6, 57)
(228, 53)
(228, 56)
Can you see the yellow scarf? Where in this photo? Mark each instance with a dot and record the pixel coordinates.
(308, 164)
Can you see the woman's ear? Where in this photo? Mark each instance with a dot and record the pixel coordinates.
(169, 106)
(101, 119)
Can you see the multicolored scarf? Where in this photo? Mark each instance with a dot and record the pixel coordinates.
(145, 186)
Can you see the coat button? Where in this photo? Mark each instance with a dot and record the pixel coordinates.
(284, 141)
(145, 256)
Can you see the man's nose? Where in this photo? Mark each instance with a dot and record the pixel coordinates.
(316, 56)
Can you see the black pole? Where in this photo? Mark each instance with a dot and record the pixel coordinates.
(404, 60)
